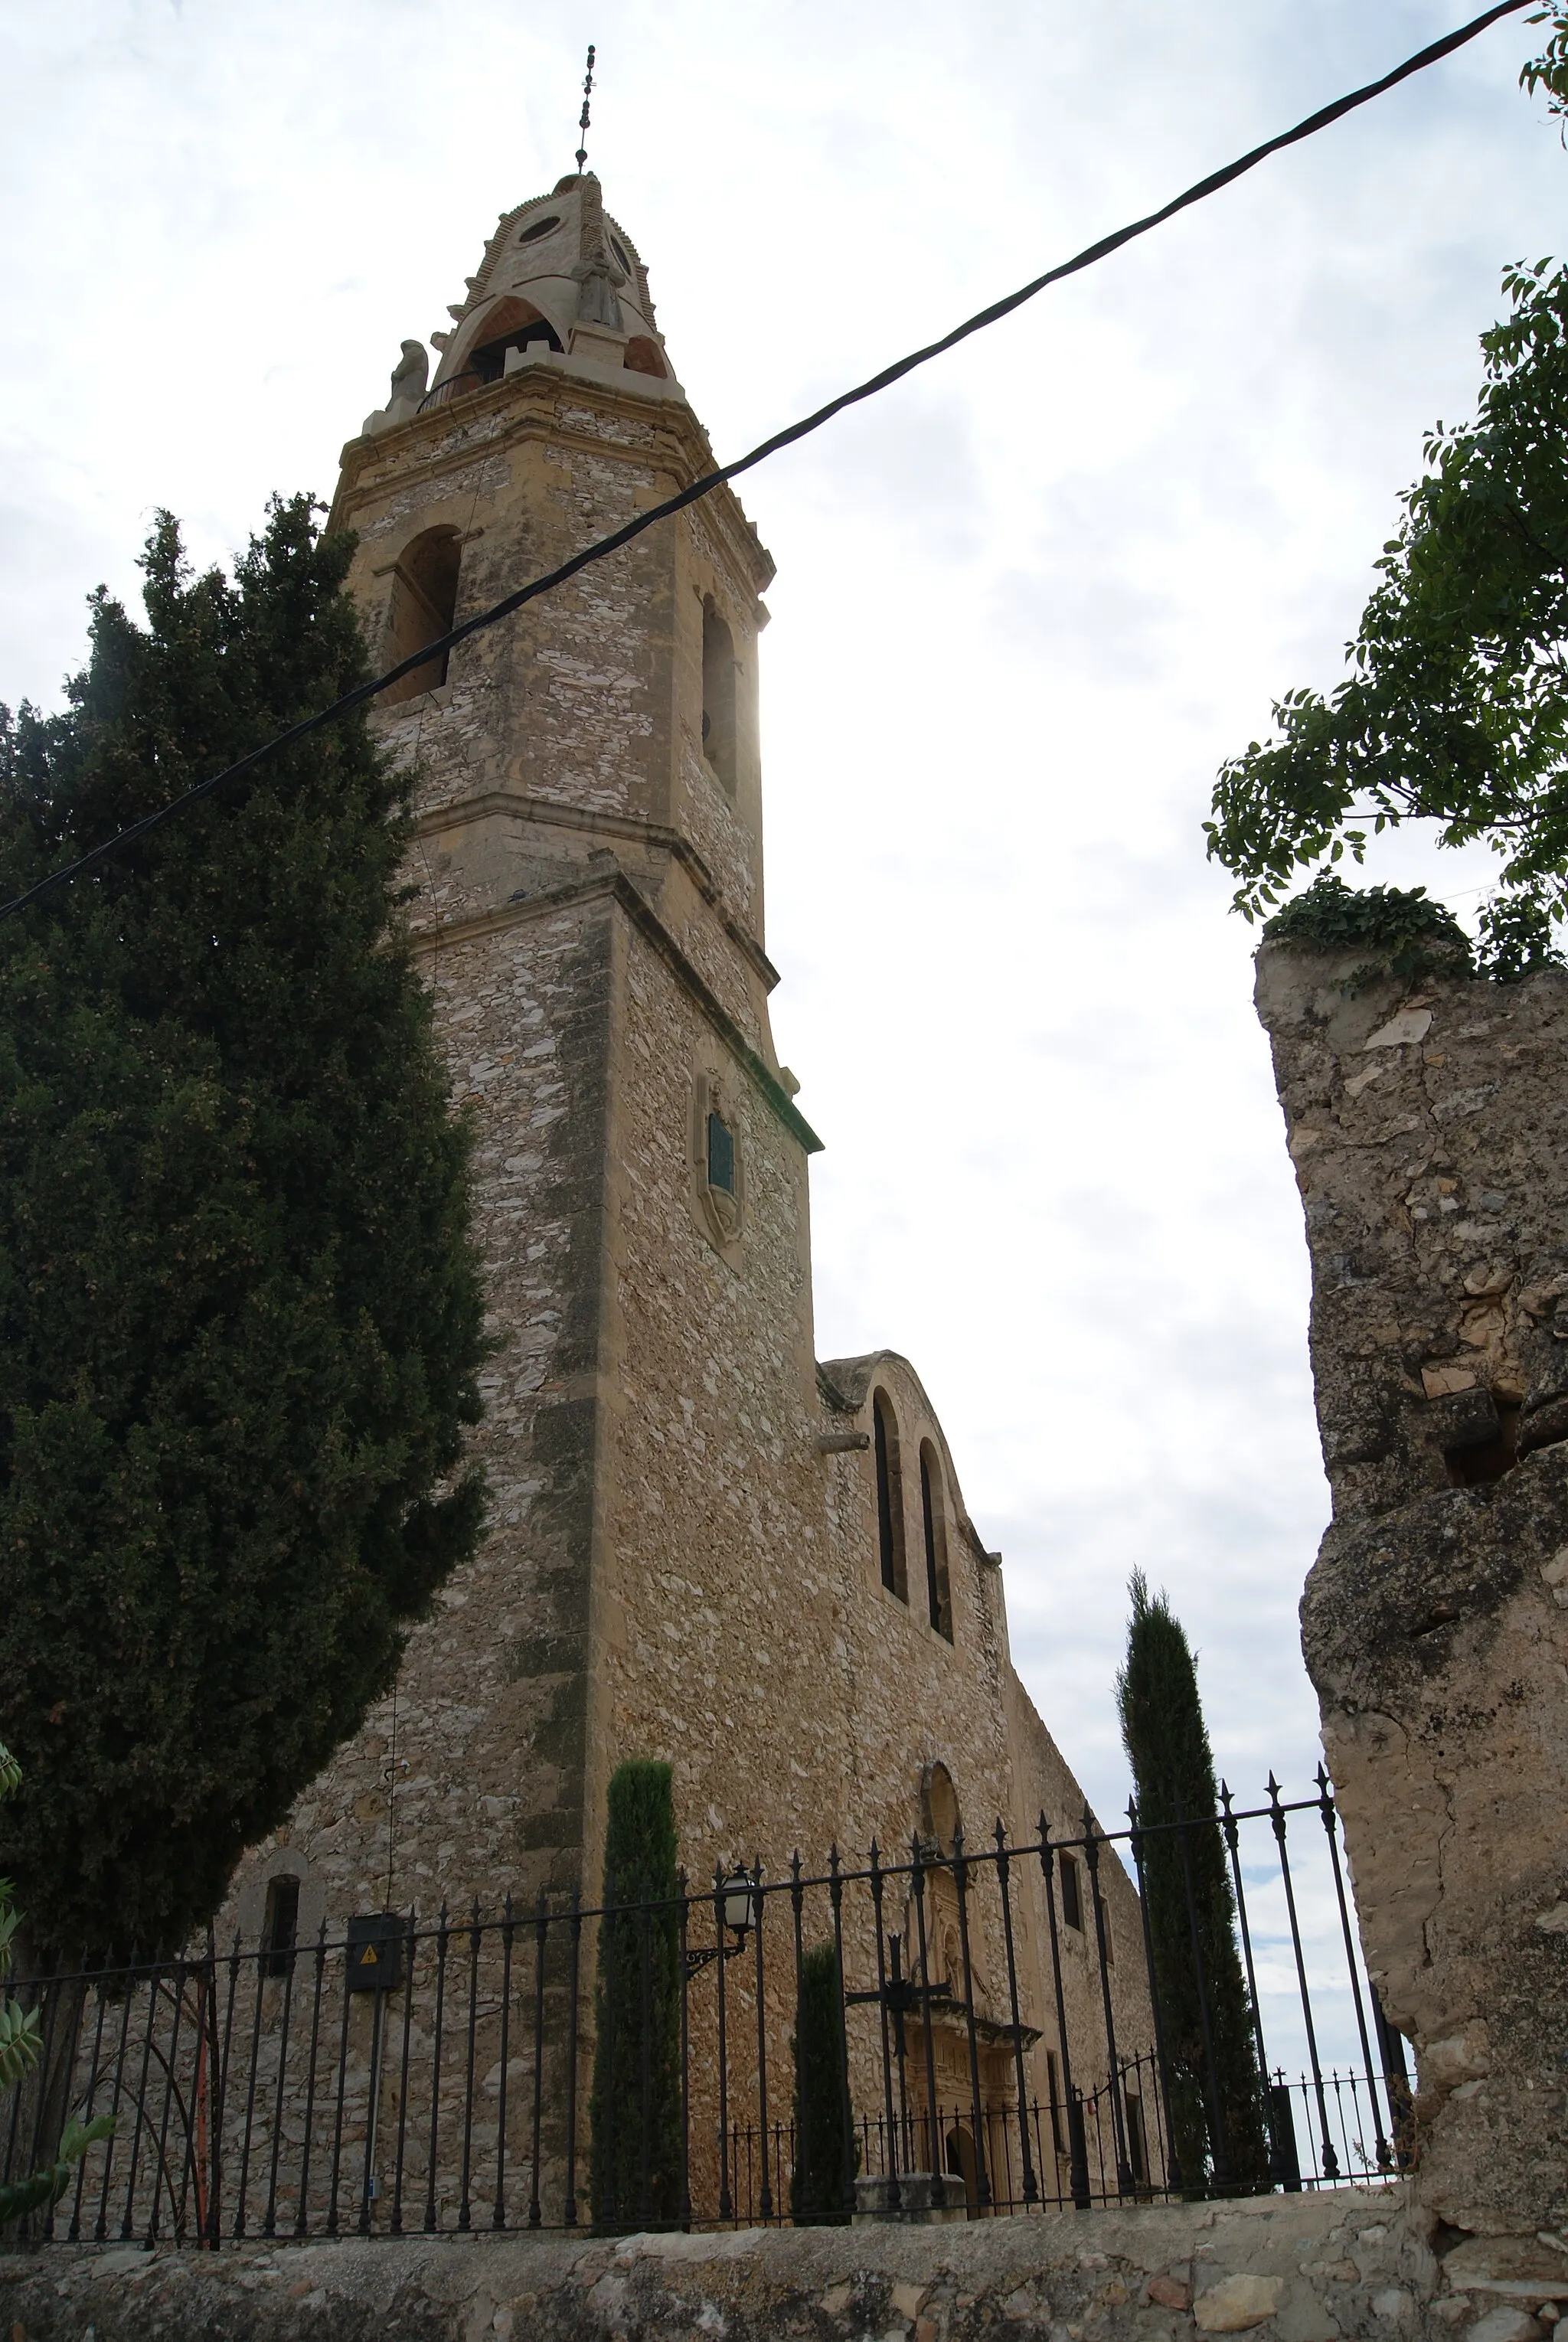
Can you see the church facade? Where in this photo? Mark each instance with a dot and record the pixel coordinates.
(704, 1544)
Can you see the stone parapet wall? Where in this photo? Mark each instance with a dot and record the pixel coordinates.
(1428, 1124)
(1348, 2265)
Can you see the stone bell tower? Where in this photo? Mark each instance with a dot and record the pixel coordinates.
(702, 1546)
(589, 914)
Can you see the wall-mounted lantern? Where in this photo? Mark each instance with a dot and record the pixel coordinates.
(737, 1899)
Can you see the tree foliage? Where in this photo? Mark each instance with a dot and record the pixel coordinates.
(1549, 71)
(635, 2161)
(240, 1315)
(1455, 709)
(822, 2185)
(1218, 2127)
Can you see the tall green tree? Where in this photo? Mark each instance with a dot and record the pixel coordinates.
(634, 2159)
(1216, 2089)
(822, 2187)
(1455, 709)
(240, 1312)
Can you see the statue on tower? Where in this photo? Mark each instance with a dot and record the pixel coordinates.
(410, 378)
(597, 277)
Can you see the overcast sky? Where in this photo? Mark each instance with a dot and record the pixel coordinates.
(1025, 606)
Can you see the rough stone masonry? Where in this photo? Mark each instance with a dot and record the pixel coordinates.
(1428, 1124)
(1363, 2264)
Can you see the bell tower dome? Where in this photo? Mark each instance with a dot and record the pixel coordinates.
(562, 258)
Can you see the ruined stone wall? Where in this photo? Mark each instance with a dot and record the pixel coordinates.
(1429, 1128)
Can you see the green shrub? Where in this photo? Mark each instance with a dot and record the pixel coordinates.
(1406, 933)
(822, 2191)
(634, 2109)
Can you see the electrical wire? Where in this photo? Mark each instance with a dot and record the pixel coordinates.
(788, 437)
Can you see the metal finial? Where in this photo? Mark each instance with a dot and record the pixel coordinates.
(582, 117)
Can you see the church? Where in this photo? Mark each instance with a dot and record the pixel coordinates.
(706, 1544)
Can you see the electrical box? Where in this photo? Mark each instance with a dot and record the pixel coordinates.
(375, 1951)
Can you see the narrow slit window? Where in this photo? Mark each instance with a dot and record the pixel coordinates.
(938, 1594)
(889, 1499)
(280, 1925)
(1137, 2139)
(1071, 1900)
(721, 1155)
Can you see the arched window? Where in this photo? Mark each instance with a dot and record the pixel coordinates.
(718, 1159)
(643, 357)
(719, 696)
(280, 1925)
(889, 1498)
(938, 1595)
(941, 1816)
(424, 605)
(514, 325)
(721, 1155)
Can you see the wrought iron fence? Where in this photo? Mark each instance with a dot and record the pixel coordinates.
(1003, 2020)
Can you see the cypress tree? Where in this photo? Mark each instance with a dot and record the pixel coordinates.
(240, 1313)
(822, 2187)
(1216, 2090)
(634, 2109)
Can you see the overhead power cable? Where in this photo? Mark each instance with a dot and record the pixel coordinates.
(691, 494)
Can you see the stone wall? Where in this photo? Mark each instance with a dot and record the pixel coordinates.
(1347, 2266)
(1429, 1128)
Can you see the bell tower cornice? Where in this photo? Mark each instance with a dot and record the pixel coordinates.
(526, 403)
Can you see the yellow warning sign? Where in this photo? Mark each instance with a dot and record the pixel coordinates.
(368, 1958)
